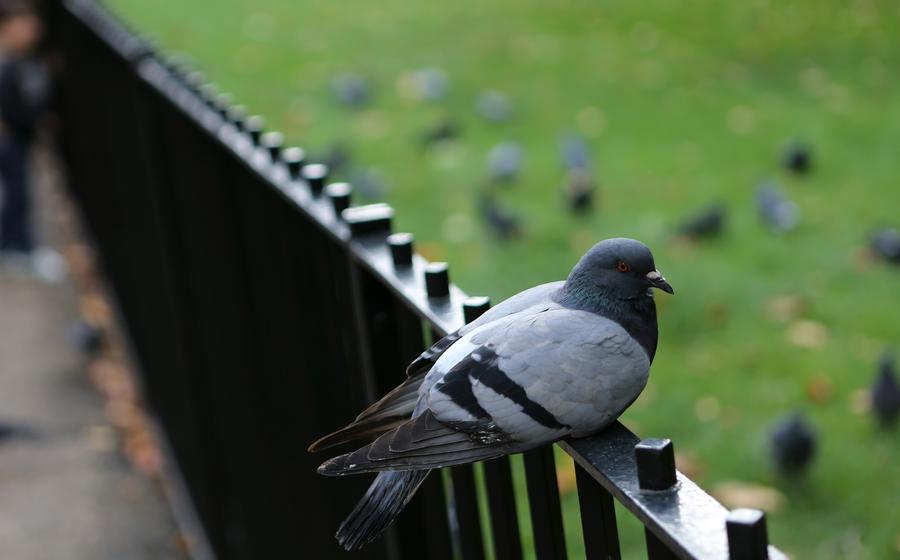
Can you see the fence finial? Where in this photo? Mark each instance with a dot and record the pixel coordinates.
(747, 535)
(294, 157)
(254, 126)
(315, 174)
(655, 464)
(272, 142)
(368, 219)
(437, 280)
(340, 194)
(474, 307)
(401, 245)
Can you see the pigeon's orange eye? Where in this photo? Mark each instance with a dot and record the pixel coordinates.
(623, 266)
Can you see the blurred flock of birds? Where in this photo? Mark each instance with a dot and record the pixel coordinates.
(504, 162)
(793, 440)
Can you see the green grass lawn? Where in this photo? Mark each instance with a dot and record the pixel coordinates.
(683, 103)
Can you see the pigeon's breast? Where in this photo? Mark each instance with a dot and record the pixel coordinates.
(588, 378)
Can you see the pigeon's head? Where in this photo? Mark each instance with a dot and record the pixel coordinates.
(619, 267)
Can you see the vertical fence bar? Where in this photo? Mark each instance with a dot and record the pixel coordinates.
(598, 518)
(655, 459)
(546, 513)
(465, 497)
(392, 339)
(498, 477)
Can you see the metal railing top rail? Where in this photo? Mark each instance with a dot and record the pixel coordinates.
(641, 475)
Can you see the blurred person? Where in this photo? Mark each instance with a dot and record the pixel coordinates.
(23, 94)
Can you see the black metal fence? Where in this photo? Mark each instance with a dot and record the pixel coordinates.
(262, 317)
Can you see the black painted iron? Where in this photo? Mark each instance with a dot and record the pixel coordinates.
(236, 115)
(747, 535)
(294, 158)
(339, 194)
(401, 245)
(272, 142)
(655, 464)
(474, 307)
(369, 219)
(437, 280)
(254, 125)
(315, 175)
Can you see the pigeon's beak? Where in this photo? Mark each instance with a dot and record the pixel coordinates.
(657, 280)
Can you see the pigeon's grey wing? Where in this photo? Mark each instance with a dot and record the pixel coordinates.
(396, 407)
(540, 376)
(390, 411)
(421, 443)
(519, 302)
(511, 385)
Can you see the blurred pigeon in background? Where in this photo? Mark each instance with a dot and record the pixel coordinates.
(574, 152)
(431, 84)
(352, 90)
(579, 184)
(886, 245)
(798, 159)
(793, 444)
(775, 209)
(707, 223)
(500, 220)
(85, 337)
(558, 360)
(494, 106)
(504, 162)
(579, 188)
(886, 392)
(446, 130)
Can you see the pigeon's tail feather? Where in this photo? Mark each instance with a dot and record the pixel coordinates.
(383, 502)
(391, 411)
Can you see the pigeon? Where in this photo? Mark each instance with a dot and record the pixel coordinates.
(793, 444)
(579, 184)
(446, 130)
(574, 152)
(798, 159)
(558, 360)
(352, 90)
(886, 244)
(493, 105)
(431, 84)
(579, 189)
(707, 223)
(886, 393)
(504, 223)
(775, 209)
(505, 162)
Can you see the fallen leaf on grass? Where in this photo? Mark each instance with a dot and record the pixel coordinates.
(707, 408)
(784, 308)
(808, 334)
(689, 464)
(860, 402)
(818, 388)
(735, 494)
